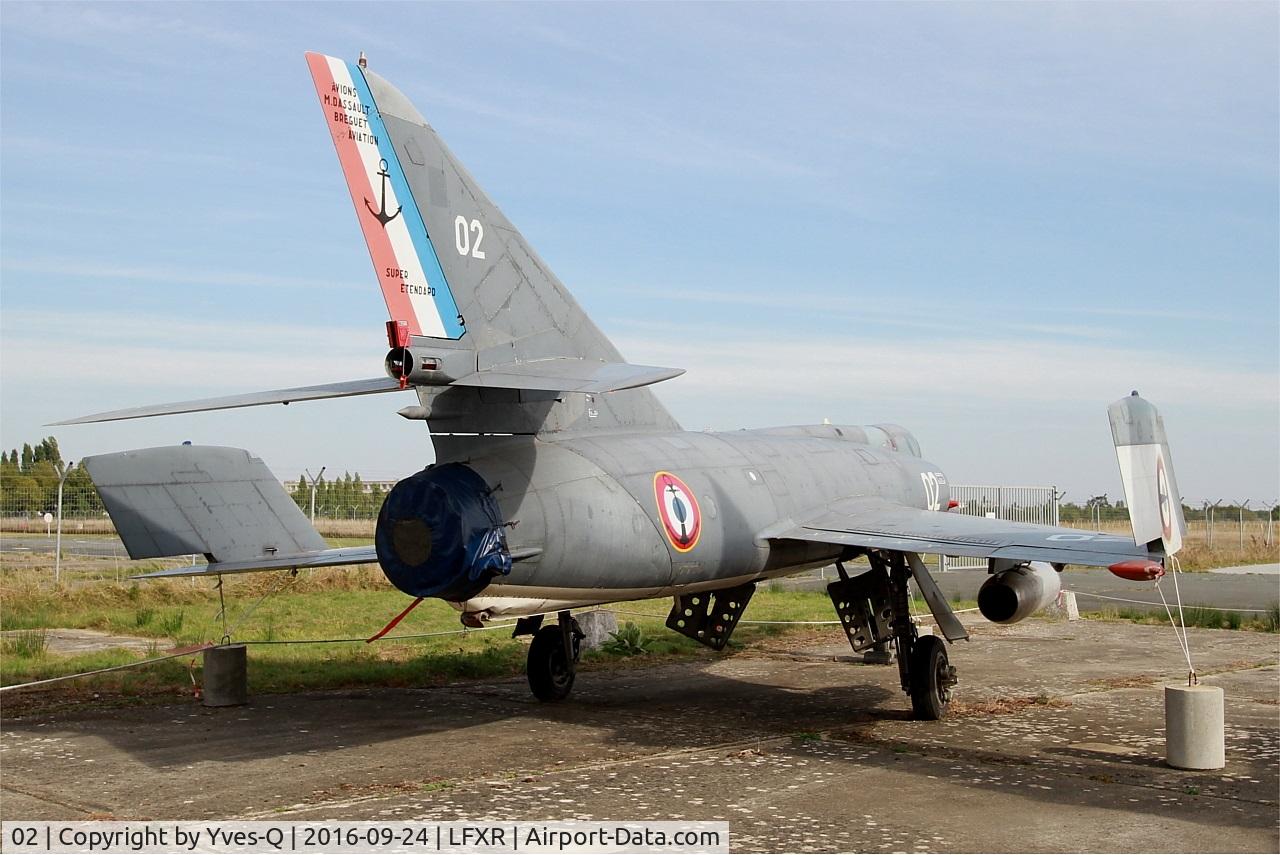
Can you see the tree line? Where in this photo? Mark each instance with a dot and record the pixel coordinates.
(346, 497)
(29, 483)
(29, 488)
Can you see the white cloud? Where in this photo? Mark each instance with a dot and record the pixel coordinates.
(86, 269)
(740, 365)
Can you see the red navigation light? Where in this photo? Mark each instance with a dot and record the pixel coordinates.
(397, 333)
(1138, 570)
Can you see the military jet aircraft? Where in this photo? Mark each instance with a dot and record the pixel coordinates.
(562, 482)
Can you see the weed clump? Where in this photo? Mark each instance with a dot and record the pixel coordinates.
(629, 640)
(26, 644)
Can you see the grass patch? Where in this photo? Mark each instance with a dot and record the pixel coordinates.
(1201, 617)
(348, 604)
(26, 644)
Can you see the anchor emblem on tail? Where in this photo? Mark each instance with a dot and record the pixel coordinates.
(382, 215)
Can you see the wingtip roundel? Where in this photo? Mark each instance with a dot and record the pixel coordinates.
(404, 258)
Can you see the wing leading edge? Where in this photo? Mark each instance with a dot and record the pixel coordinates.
(873, 523)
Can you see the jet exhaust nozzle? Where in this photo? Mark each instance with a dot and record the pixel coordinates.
(1017, 593)
(440, 534)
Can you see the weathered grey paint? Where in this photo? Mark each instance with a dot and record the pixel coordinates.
(183, 499)
(587, 501)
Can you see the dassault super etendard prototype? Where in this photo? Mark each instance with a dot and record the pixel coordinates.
(560, 481)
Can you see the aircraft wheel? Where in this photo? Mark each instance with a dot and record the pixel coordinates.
(932, 678)
(550, 672)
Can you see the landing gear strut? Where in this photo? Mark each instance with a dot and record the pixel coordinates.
(553, 659)
(923, 667)
(874, 608)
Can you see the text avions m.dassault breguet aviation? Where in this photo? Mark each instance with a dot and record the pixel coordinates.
(560, 481)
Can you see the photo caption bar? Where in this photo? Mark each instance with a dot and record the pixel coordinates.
(356, 838)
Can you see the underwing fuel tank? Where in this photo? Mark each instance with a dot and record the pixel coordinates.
(1011, 595)
(440, 534)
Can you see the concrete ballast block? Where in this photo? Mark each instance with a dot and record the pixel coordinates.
(1195, 733)
(879, 654)
(596, 626)
(226, 676)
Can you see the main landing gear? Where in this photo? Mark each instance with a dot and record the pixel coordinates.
(553, 655)
(874, 607)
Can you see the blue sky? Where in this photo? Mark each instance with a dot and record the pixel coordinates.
(983, 221)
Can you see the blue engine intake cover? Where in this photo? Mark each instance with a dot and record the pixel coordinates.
(440, 534)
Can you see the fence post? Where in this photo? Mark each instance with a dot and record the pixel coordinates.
(1212, 514)
(313, 491)
(63, 472)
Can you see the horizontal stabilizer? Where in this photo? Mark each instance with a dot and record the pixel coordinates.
(302, 561)
(560, 374)
(223, 503)
(345, 389)
(342, 556)
(568, 374)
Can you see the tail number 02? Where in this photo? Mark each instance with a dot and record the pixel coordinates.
(462, 232)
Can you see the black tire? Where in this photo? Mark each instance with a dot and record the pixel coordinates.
(932, 678)
(550, 672)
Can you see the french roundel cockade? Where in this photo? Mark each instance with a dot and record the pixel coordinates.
(678, 510)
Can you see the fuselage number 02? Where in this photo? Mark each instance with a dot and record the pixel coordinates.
(933, 482)
(462, 237)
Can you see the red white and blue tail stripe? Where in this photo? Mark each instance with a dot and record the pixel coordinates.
(404, 258)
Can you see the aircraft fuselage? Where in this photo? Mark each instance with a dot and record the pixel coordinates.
(617, 516)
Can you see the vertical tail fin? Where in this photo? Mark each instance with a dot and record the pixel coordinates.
(1146, 468)
(404, 258)
(453, 266)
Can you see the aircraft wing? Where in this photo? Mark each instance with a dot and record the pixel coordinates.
(873, 523)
